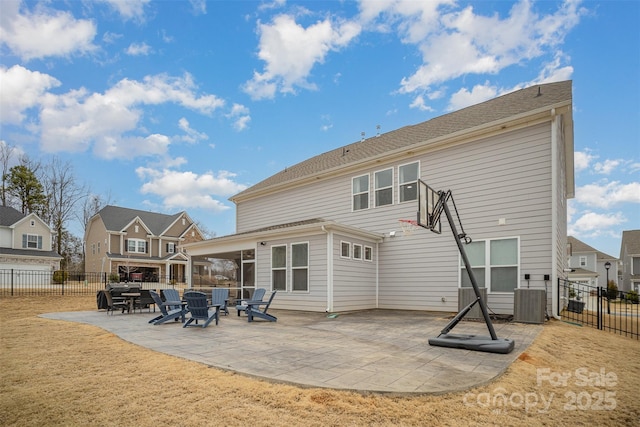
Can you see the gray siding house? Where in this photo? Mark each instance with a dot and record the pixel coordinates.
(325, 232)
(26, 243)
(630, 259)
(588, 264)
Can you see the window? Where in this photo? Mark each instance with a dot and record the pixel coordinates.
(635, 265)
(494, 262)
(98, 247)
(408, 181)
(93, 249)
(345, 249)
(384, 187)
(368, 253)
(31, 241)
(136, 245)
(583, 261)
(32, 223)
(357, 251)
(300, 266)
(279, 268)
(360, 192)
(171, 248)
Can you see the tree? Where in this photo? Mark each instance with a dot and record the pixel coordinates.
(27, 189)
(64, 193)
(6, 152)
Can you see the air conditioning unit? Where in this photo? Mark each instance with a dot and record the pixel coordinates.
(529, 305)
(466, 296)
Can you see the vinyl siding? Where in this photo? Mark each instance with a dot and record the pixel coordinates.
(505, 176)
(354, 280)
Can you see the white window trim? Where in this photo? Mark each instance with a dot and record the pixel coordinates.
(487, 265)
(375, 189)
(137, 245)
(342, 242)
(401, 183)
(582, 261)
(370, 248)
(359, 258)
(285, 268)
(362, 192)
(306, 267)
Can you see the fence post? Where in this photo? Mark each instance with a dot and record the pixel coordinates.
(12, 282)
(599, 310)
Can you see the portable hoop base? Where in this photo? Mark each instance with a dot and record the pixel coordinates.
(474, 342)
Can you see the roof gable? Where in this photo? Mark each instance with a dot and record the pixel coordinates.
(631, 241)
(116, 219)
(522, 102)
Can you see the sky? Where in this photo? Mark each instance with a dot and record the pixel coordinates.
(178, 105)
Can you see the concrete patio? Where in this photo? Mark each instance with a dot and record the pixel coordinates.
(380, 351)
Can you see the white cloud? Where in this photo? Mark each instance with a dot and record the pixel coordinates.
(240, 116)
(458, 42)
(607, 194)
(74, 120)
(170, 186)
(607, 166)
(582, 160)
(290, 51)
(191, 135)
(44, 32)
(593, 224)
(464, 98)
(138, 49)
(419, 103)
(129, 9)
(22, 89)
(199, 7)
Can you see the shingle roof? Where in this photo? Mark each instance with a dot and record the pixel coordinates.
(578, 246)
(631, 239)
(516, 103)
(116, 218)
(9, 216)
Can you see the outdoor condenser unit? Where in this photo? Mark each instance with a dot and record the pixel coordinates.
(529, 305)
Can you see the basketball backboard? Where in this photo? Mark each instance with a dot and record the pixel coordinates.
(428, 207)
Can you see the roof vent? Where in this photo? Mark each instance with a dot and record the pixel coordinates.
(362, 136)
(539, 92)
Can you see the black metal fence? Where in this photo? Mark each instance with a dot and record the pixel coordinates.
(612, 311)
(15, 282)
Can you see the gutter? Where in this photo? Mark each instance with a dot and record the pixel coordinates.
(329, 269)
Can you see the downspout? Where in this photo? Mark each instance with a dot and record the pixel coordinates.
(554, 211)
(377, 274)
(329, 269)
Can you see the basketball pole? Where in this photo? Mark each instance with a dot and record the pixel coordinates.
(467, 264)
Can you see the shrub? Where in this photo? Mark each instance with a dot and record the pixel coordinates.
(60, 276)
(632, 296)
(114, 277)
(612, 290)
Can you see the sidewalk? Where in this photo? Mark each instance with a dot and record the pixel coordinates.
(370, 351)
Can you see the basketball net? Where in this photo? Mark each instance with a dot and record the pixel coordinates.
(408, 226)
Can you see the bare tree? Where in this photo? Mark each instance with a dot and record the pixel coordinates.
(64, 193)
(6, 153)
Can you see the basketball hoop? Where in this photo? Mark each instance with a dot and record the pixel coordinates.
(408, 226)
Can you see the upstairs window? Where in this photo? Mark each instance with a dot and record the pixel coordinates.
(31, 241)
(408, 181)
(136, 246)
(360, 192)
(171, 248)
(384, 187)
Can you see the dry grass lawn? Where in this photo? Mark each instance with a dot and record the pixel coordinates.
(59, 373)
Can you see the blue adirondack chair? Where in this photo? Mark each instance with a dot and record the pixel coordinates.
(258, 295)
(198, 308)
(253, 309)
(220, 296)
(168, 310)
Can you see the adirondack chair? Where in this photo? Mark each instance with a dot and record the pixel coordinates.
(258, 295)
(220, 296)
(167, 310)
(253, 309)
(198, 308)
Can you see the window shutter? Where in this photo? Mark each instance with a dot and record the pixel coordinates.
(24, 240)
(39, 242)
(126, 245)
(146, 247)
(167, 249)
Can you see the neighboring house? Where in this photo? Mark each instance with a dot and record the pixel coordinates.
(325, 232)
(26, 243)
(588, 264)
(630, 257)
(139, 245)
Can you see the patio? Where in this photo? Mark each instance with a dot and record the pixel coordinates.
(380, 351)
